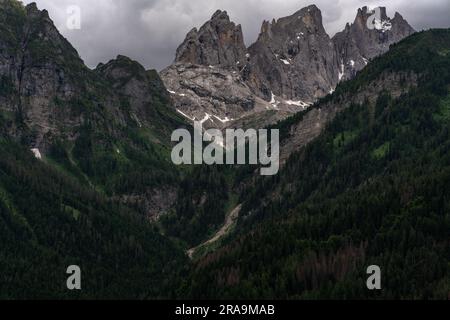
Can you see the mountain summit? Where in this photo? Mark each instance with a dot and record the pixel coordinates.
(371, 35)
(292, 64)
(293, 58)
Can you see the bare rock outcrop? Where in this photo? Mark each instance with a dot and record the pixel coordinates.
(293, 58)
(371, 35)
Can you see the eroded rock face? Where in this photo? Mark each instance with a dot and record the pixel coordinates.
(210, 94)
(219, 42)
(292, 64)
(317, 118)
(371, 35)
(293, 58)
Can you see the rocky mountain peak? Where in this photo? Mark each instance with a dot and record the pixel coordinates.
(293, 63)
(288, 52)
(365, 12)
(369, 36)
(44, 72)
(219, 42)
(124, 71)
(143, 89)
(400, 27)
(220, 15)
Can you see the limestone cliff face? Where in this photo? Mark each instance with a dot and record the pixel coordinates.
(41, 68)
(48, 95)
(219, 42)
(293, 58)
(210, 94)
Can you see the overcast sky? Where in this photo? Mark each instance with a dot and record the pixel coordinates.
(149, 31)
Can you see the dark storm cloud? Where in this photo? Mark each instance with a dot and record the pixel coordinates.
(151, 30)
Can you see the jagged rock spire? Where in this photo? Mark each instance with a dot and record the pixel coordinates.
(219, 42)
